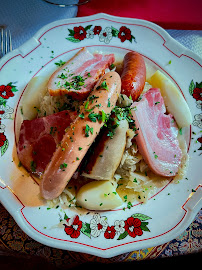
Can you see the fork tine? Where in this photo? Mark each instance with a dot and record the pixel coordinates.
(10, 41)
(6, 41)
(2, 47)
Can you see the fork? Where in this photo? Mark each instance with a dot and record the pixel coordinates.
(6, 42)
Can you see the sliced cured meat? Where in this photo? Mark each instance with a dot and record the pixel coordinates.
(79, 75)
(157, 134)
(39, 137)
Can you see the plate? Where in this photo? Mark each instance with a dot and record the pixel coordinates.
(106, 234)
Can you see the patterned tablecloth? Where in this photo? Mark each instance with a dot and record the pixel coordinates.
(12, 239)
(15, 242)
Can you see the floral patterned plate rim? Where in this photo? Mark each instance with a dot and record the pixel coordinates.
(106, 234)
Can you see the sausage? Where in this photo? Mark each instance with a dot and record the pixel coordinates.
(80, 135)
(133, 76)
(107, 154)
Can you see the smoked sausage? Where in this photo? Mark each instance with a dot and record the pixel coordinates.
(80, 135)
(133, 76)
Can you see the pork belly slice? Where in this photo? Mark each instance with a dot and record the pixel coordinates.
(157, 134)
(39, 137)
(79, 75)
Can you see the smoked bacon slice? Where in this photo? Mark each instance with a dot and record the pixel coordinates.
(78, 76)
(157, 134)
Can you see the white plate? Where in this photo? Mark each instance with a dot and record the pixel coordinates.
(170, 211)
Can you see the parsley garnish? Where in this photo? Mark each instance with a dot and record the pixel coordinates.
(103, 116)
(93, 116)
(62, 76)
(108, 104)
(63, 166)
(111, 66)
(87, 130)
(60, 63)
(33, 166)
(81, 115)
(104, 85)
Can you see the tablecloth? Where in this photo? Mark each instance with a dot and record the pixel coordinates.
(24, 18)
(180, 14)
(14, 242)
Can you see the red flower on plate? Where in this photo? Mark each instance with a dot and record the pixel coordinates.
(74, 229)
(97, 30)
(110, 232)
(132, 226)
(79, 33)
(5, 91)
(2, 139)
(199, 139)
(124, 33)
(197, 93)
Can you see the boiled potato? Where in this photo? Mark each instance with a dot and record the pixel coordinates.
(173, 99)
(31, 97)
(98, 195)
(107, 154)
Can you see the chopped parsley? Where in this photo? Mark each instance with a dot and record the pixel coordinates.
(93, 116)
(129, 205)
(53, 130)
(112, 66)
(104, 85)
(60, 63)
(37, 109)
(108, 104)
(91, 98)
(125, 198)
(87, 130)
(81, 115)
(62, 76)
(33, 166)
(104, 116)
(63, 166)
(86, 105)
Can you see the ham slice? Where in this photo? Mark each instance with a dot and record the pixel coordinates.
(79, 75)
(156, 134)
(39, 137)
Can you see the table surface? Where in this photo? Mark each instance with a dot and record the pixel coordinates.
(24, 19)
